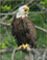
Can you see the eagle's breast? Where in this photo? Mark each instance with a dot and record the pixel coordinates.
(23, 30)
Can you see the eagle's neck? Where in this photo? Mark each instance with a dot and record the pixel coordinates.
(21, 15)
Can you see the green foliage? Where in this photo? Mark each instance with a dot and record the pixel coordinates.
(6, 8)
(8, 40)
(44, 3)
(39, 20)
(2, 45)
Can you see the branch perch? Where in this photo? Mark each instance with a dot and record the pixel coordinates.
(20, 49)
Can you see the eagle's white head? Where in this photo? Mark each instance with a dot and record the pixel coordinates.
(22, 11)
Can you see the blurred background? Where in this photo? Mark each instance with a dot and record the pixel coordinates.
(37, 14)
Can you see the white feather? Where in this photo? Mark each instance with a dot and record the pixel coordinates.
(21, 12)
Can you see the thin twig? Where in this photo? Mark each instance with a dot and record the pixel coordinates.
(44, 55)
(3, 18)
(13, 53)
(5, 24)
(40, 28)
(5, 50)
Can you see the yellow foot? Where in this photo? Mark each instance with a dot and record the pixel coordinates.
(24, 46)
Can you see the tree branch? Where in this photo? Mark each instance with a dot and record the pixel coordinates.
(40, 28)
(5, 24)
(5, 50)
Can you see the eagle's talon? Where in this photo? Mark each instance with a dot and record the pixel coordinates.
(25, 46)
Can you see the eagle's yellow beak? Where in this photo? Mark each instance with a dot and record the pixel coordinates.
(26, 8)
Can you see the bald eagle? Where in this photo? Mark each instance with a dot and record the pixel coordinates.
(23, 29)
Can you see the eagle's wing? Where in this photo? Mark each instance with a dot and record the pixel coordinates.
(31, 31)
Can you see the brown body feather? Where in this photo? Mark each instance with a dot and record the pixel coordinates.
(24, 31)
